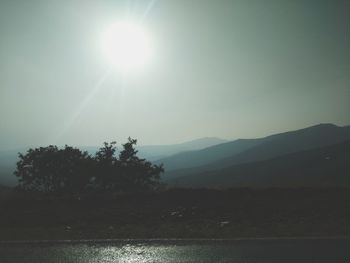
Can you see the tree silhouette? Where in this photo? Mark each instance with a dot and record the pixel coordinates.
(70, 170)
(49, 169)
(140, 174)
(106, 168)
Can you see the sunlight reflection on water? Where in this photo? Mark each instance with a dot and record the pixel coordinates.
(124, 254)
(175, 252)
(128, 254)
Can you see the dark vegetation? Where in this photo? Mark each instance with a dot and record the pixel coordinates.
(8, 158)
(71, 171)
(179, 213)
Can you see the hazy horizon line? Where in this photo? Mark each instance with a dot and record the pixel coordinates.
(172, 144)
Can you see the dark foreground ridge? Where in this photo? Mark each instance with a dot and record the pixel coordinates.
(179, 213)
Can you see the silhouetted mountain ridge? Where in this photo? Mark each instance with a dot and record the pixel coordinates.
(322, 167)
(255, 149)
(207, 155)
(153, 152)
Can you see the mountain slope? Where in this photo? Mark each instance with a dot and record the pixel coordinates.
(207, 155)
(326, 166)
(8, 161)
(289, 142)
(259, 149)
(153, 152)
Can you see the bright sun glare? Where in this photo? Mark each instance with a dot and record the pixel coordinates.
(127, 45)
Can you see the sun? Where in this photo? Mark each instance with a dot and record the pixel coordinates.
(127, 45)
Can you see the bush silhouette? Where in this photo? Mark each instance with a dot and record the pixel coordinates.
(70, 170)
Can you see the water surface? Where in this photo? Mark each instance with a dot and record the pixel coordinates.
(201, 251)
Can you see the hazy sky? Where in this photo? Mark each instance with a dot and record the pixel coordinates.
(220, 68)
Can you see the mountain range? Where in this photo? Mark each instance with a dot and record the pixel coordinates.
(323, 167)
(314, 156)
(242, 157)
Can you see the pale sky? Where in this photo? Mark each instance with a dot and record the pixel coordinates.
(230, 69)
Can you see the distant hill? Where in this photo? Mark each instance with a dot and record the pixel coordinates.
(251, 150)
(6, 175)
(153, 152)
(321, 167)
(8, 161)
(207, 155)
